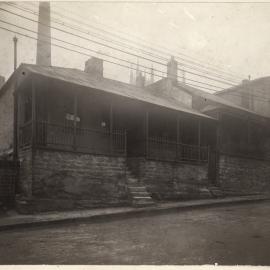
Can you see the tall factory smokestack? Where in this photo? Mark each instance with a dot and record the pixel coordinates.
(44, 35)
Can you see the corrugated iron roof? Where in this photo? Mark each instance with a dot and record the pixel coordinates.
(82, 78)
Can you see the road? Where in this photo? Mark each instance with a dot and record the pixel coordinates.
(228, 235)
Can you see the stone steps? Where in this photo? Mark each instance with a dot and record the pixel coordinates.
(139, 195)
(205, 193)
(216, 192)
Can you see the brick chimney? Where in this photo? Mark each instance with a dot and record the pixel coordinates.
(172, 70)
(44, 35)
(245, 81)
(2, 81)
(140, 80)
(94, 66)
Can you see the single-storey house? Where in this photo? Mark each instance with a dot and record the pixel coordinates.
(84, 140)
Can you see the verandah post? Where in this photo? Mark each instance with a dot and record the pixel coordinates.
(111, 127)
(147, 133)
(248, 132)
(177, 136)
(15, 124)
(199, 140)
(75, 113)
(33, 113)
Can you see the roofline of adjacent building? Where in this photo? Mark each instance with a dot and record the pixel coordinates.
(236, 87)
(13, 76)
(226, 103)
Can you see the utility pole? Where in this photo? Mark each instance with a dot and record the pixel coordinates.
(15, 40)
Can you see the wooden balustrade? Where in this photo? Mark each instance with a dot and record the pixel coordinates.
(162, 149)
(97, 141)
(102, 141)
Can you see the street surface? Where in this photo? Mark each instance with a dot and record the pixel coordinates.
(230, 235)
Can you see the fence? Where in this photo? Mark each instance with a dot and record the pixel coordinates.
(25, 135)
(96, 141)
(159, 148)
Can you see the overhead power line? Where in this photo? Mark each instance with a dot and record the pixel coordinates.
(211, 85)
(111, 62)
(185, 66)
(114, 48)
(193, 60)
(85, 54)
(125, 45)
(103, 54)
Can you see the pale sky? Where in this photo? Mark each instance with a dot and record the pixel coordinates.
(234, 36)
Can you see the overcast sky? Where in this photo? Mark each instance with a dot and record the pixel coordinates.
(233, 35)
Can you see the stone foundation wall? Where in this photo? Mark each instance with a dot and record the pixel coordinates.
(74, 180)
(8, 179)
(25, 173)
(168, 180)
(6, 119)
(244, 174)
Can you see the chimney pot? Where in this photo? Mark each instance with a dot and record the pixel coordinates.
(172, 70)
(94, 66)
(140, 80)
(245, 81)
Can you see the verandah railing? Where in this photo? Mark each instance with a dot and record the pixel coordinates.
(162, 149)
(98, 141)
(25, 135)
(63, 137)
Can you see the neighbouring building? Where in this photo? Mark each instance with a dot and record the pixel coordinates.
(243, 141)
(251, 94)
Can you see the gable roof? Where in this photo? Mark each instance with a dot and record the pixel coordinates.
(263, 81)
(217, 100)
(82, 78)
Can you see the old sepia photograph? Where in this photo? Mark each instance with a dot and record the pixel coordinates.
(135, 133)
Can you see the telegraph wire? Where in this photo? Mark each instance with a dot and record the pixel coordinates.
(123, 60)
(125, 45)
(131, 41)
(192, 61)
(211, 85)
(111, 62)
(85, 54)
(108, 46)
(97, 52)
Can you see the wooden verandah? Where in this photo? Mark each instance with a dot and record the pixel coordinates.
(112, 136)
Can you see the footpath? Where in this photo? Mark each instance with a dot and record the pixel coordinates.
(13, 220)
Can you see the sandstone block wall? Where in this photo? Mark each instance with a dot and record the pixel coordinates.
(100, 180)
(6, 119)
(25, 172)
(8, 178)
(167, 180)
(244, 174)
